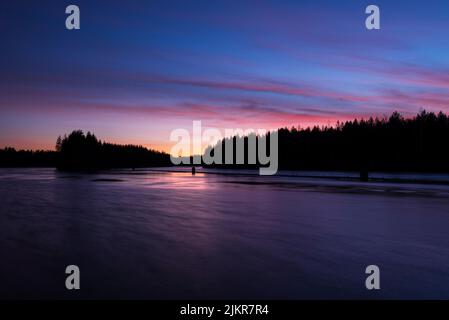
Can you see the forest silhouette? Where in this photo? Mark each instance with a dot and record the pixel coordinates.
(418, 144)
(395, 143)
(84, 151)
(79, 151)
(10, 157)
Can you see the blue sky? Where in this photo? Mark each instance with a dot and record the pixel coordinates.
(139, 69)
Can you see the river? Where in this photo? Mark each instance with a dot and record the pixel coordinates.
(158, 234)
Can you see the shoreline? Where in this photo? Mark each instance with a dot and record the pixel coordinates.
(422, 178)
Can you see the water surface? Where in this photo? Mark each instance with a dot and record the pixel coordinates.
(158, 235)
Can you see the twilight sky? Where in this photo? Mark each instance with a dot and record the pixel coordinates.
(139, 69)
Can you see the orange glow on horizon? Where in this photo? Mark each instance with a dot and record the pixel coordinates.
(268, 122)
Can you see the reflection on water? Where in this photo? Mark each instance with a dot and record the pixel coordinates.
(147, 234)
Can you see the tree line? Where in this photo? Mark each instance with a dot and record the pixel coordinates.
(10, 157)
(85, 151)
(394, 143)
(80, 151)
